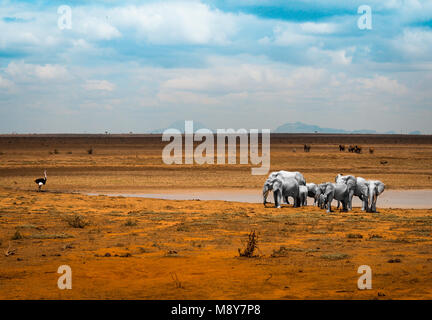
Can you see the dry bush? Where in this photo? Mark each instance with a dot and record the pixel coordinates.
(76, 221)
(130, 223)
(354, 236)
(251, 245)
(17, 236)
(90, 151)
(176, 280)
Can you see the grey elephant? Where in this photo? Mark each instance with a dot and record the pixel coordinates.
(312, 191)
(337, 191)
(283, 175)
(319, 195)
(357, 188)
(285, 188)
(303, 190)
(374, 188)
(361, 191)
(351, 182)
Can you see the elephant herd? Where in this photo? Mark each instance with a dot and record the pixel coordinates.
(286, 184)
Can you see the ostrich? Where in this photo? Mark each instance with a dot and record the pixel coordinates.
(41, 181)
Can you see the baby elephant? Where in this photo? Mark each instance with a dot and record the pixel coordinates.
(284, 188)
(303, 195)
(338, 191)
(312, 191)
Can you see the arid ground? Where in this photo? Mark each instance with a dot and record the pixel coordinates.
(137, 248)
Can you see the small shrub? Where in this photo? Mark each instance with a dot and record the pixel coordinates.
(354, 236)
(56, 151)
(130, 223)
(90, 151)
(375, 236)
(281, 252)
(176, 280)
(17, 236)
(76, 221)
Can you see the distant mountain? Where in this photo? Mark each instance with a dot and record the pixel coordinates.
(180, 125)
(300, 127)
(293, 127)
(415, 132)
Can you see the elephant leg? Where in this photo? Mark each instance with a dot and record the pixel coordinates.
(297, 201)
(338, 204)
(286, 200)
(345, 204)
(364, 205)
(277, 198)
(351, 195)
(373, 206)
(265, 197)
(329, 201)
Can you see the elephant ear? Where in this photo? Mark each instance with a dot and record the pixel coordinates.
(268, 185)
(276, 183)
(380, 186)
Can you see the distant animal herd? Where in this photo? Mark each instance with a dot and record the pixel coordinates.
(286, 184)
(350, 148)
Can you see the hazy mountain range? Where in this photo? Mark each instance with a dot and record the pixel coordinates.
(290, 127)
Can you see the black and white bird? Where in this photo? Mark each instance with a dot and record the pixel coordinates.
(41, 181)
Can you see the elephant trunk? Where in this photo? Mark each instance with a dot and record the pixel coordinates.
(266, 191)
(371, 197)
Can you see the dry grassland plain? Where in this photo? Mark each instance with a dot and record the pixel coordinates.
(137, 248)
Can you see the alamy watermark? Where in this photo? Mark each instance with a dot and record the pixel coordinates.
(65, 280)
(205, 152)
(364, 22)
(365, 280)
(65, 19)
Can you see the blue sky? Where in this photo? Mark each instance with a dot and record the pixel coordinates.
(141, 65)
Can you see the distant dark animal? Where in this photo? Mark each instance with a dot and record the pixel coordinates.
(356, 149)
(41, 181)
(383, 162)
(371, 150)
(306, 148)
(341, 148)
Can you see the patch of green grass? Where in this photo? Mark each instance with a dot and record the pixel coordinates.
(28, 226)
(319, 232)
(334, 256)
(51, 236)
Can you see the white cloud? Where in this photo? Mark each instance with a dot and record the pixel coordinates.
(318, 28)
(383, 84)
(5, 83)
(21, 71)
(100, 85)
(415, 42)
(176, 22)
(95, 28)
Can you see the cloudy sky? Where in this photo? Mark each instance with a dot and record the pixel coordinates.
(140, 65)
